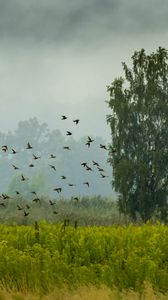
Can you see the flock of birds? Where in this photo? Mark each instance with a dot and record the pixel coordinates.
(23, 178)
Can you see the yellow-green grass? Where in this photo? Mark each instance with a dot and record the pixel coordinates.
(35, 261)
(88, 293)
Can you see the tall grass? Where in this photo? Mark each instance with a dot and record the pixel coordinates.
(88, 293)
(59, 255)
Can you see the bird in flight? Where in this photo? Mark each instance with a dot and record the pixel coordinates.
(76, 198)
(86, 183)
(29, 146)
(84, 164)
(26, 213)
(4, 148)
(23, 178)
(90, 140)
(100, 169)
(52, 156)
(63, 118)
(19, 207)
(103, 176)
(53, 167)
(71, 184)
(76, 121)
(5, 196)
(103, 147)
(51, 202)
(68, 133)
(36, 200)
(36, 157)
(13, 151)
(63, 177)
(15, 168)
(88, 144)
(95, 163)
(34, 193)
(31, 165)
(66, 148)
(88, 168)
(58, 190)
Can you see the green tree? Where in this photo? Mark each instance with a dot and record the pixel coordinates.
(139, 127)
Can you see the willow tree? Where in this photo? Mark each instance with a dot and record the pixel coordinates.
(139, 128)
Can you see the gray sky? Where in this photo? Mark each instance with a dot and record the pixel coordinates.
(56, 57)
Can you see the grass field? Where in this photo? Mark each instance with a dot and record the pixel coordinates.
(93, 262)
(87, 293)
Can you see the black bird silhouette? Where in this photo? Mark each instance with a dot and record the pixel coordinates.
(58, 190)
(51, 202)
(52, 156)
(103, 176)
(69, 133)
(17, 192)
(88, 168)
(76, 198)
(84, 164)
(13, 151)
(35, 156)
(66, 148)
(63, 118)
(31, 165)
(88, 144)
(36, 200)
(63, 177)
(4, 148)
(5, 196)
(90, 140)
(87, 183)
(15, 168)
(71, 184)
(19, 207)
(29, 146)
(23, 178)
(26, 213)
(95, 163)
(103, 147)
(53, 167)
(100, 169)
(34, 193)
(76, 121)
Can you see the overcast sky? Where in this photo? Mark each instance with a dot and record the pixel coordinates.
(57, 56)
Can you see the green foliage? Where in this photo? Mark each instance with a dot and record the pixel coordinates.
(94, 210)
(123, 257)
(139, 127)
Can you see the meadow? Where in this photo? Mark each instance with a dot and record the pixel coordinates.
(46, 257)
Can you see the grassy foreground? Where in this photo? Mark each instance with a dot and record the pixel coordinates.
(42, 259)
(88, 293)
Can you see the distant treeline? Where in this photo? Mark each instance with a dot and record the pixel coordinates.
(42, 178)
(82, 211)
